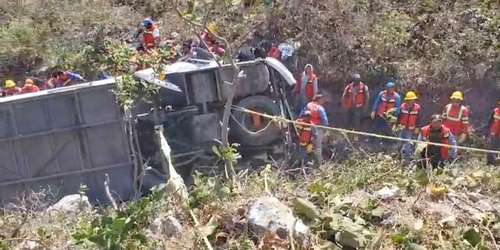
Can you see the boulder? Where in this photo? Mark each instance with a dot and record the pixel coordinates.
(306, 209)
(349, 233)
(268, 214)
(71, 204)
(387, 193)
(166, 226)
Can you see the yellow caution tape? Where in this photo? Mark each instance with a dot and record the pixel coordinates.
(341, 130)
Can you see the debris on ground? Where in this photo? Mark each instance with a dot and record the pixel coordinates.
(268, 214)
(71, 204)
(168, 226)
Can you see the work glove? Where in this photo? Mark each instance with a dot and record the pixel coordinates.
(420, 147)
(309, 148)
(417, 131)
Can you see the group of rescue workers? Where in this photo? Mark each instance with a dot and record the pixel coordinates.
(390, 115)
(56, 80)
(149, 39)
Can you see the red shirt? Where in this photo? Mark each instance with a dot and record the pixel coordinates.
(30, 88)
(150, 36)
(495, 123)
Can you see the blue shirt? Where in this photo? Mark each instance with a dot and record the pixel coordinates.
(322, 114)
(397, 105)
(73, 76)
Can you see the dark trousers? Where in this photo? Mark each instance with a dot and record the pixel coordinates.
(382, 126)
(354, 116)
(493, 145)
(431, 155)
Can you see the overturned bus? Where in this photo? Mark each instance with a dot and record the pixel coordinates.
(60, 139)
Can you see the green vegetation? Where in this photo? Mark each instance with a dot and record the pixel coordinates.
(439, 212)
(417, 41)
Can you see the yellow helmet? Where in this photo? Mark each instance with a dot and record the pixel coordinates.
(457, 95)
(410, 95)
(10, 84)
(212, 27)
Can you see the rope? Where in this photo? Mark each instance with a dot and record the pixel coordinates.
(341, 130)
(242, 126)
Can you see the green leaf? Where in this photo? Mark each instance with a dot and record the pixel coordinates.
(216, 151)
(421, 177)
(472, 236)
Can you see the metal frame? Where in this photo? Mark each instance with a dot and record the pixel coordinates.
(86, 169)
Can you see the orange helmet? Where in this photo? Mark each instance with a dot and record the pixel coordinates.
(28, 81)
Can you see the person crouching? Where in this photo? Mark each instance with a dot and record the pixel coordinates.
(436, 132)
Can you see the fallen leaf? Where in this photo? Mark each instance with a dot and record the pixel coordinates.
(472, 236)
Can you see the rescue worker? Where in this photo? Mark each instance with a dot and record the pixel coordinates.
(437, 132)
(67, 78)
(308, 87)
(150, 35)
(456, 117)
(10, 88)
(318, 117)
(51, 82)
(386, 109)
(211, 41)
(306, 147)
(354, 99)
(29, 87)
(494, 135)
(274, 52)
(409, 122)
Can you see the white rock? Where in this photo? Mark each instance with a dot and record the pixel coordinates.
(269, 214)
(387, 193)
(71, 204)
(29, 245)
(168, 226)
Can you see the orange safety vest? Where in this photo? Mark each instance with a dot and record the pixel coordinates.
(444, 134)
(309, 90)
(305, 132)
(11, 91)
(495, 123)
(409, 115)
(274, 53)
(357, 99)
(148, 37)
(314, 107)
(30, 88)
(456, 118)
(387, 102)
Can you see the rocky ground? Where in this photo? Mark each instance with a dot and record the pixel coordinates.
(366, 202)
